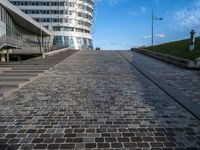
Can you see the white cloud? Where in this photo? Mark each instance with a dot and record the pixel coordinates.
(115, 2)
(161, 36)
(141, 10)
(139, 45)
(147, 37)
(112, 2)
(187, 17)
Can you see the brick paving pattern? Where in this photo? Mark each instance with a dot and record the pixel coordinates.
(186, 81)
(95, 100)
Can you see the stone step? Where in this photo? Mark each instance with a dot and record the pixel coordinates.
(5, 69)
(14, 84)
(24, 65)
(30, 68)
(19, 74)
(24, 71)
(4, 91)
(15, 78)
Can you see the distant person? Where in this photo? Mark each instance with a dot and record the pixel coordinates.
(97, 49)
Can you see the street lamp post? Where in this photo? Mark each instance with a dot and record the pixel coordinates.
(153, 18)
(41, 38)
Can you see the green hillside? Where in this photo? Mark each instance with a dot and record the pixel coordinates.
(178, 49)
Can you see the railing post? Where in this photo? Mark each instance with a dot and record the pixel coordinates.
(192, 40)
(43, 55)
(3, 58)
(7, 55)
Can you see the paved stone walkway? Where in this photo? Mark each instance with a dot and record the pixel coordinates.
(186, 81)
(95, 100)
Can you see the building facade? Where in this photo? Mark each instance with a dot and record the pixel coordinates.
(20, 32)
(70, 20)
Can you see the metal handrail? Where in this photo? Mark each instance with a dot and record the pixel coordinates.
(55, 47)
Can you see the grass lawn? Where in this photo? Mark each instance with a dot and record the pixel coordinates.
(178, 49)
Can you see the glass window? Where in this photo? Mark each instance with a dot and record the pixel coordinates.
(56, 28)
(68, 29)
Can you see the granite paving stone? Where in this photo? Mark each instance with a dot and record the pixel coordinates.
(95, 100)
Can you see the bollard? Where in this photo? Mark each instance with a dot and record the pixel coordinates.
(7, 55)
(43, 56)
(192, 40)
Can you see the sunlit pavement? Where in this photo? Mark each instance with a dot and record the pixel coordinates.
(95, 100)
(184, 80)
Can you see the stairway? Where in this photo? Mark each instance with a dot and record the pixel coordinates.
(14, 75)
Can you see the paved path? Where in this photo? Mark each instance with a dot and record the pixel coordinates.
(186, 81)
(95, 100)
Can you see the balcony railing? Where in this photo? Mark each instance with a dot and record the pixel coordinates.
(16, 43)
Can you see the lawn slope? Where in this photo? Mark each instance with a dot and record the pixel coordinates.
(178, 49)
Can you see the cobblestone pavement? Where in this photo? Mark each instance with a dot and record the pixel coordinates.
(95, 100)
(186, 81)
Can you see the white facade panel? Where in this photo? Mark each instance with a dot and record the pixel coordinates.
(2, 29)
(69, 20)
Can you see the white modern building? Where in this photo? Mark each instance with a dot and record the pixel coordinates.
(70, 20)
(20, 34)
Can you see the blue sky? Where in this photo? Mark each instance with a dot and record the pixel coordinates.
(122, 24)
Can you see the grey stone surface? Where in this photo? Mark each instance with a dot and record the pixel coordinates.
(169, 90)
(95, 100)
(186, 81)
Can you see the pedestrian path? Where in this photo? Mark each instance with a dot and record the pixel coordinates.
(95, 100)
(185, 81)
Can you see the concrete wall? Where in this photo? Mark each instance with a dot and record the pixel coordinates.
(2, 28)
(171, 59)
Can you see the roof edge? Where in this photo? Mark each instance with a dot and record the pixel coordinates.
(10, 7)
